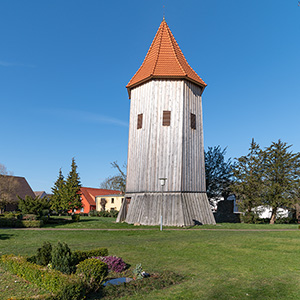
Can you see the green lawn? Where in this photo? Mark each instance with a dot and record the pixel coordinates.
(110, 223)
(13, 285)
(216, 264)
(95, 223)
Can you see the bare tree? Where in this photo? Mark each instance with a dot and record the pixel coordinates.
(116, 182)
(8, 185)
(103, 204)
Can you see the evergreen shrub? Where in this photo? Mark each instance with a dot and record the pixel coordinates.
(44, 256)
(62, 259)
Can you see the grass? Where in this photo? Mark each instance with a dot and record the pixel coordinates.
(215, 264)
(18, 287)
(93, 223)
(110, 223)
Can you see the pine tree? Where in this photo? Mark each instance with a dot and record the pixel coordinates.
(218, 173)
(58, 198)
(248, 180)
(281, 183)
(73, 186)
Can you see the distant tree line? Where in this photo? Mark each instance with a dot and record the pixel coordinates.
(65, 196)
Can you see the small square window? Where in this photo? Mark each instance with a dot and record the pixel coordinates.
(112, 200)
(140, 121)
(193, 121)
(166, 118)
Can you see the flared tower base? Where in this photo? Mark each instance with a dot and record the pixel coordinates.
(176, 209)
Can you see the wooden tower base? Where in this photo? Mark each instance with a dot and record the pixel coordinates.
(177, 209)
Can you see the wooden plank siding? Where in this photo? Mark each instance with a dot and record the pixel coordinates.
(155, 151)
(174, 152)
(178, 209)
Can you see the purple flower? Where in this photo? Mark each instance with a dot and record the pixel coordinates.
(114, 263)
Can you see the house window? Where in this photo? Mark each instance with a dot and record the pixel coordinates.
(82, 209)
(112, 200)
(166, 118)
(193, 121)
(140, 121)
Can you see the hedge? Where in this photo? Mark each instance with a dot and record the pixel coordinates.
(16, 223)
(62, 286)
(79, 256)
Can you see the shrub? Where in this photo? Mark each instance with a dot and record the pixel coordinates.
(16, 223)
(62, 259)
(103, 213)
(44, 256)
(30, 217)
(114, 263)
(250, 218)
(113, 213)
(93, 213)
(138, 270)
(64, 287)
(97, 252)
(76, 218)
(287, 220)
(79, 256)
(93, 272)
(83, 214)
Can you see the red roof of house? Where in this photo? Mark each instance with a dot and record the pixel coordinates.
(91, 193)
(164, 60)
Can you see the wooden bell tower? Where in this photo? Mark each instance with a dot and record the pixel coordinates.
(166, 140)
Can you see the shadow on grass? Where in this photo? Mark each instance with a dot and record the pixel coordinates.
(4, 236)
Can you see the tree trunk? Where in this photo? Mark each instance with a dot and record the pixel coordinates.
(273, 215)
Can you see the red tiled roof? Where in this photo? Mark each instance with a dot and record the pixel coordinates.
(164, 60)
(91, 193)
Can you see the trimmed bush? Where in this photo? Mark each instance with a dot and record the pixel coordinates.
(93, 272)
(62, 259)
(79, 256)
(97, 252)
(16, 223)
(76, 218)
(61, 285)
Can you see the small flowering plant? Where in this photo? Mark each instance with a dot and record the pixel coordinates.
(114, 263)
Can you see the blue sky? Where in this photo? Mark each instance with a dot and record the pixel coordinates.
(64, 66)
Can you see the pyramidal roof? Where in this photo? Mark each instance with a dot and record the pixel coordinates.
(164, 60)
